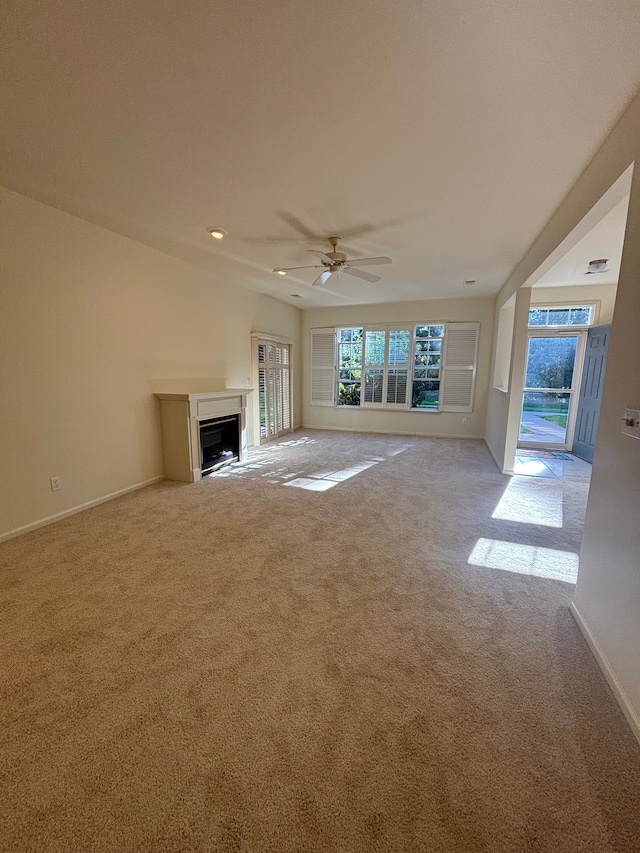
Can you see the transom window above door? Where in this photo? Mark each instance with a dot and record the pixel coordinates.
(561, 316)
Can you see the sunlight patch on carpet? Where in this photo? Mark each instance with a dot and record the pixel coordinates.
(531, 502)
(525, 559)
(323, 480)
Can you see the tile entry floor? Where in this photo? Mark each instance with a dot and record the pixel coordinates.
(543, 464)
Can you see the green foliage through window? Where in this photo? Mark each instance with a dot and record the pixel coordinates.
(349, 366)
(427, 361)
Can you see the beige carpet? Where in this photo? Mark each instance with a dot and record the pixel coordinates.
(298, 656)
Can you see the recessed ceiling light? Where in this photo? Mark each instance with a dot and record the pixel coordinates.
(471, 281)
(296, 296)
(218, 233)
(281, 272)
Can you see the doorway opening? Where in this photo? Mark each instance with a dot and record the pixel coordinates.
(555, 352)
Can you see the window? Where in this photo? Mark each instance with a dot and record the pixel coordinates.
(563, 315)
(398, 366)
(349, 366)
(427, 362)
(386, 366)
(426, 367)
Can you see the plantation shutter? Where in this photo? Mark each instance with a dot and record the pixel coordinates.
(262, 389)
(323, 357)
(272, 362)
(374, 361)
(398, 370)
(459, 371)
(284, 391)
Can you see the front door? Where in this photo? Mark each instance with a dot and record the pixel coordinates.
(548, 410)
(595, 363)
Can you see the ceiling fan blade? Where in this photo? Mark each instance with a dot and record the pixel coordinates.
(367, 276)
(368, 228)
(322, 278)
(324, 258)
(365, 262)
(289, 269)
(297, 225)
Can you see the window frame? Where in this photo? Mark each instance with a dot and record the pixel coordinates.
(594, 305)
(385, 366)
(414, 343)
(338, 367)
(457, 369)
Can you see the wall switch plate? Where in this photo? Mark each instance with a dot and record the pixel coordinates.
(631, 423)
(56, 484)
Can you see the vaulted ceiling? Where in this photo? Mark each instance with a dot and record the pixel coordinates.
(441, 134)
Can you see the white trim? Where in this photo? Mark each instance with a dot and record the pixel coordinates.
(317, 428)
(618, 691)
(50, 519)
(278, 339)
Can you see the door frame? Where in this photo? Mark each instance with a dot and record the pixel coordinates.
(258, 338)
(579, 332)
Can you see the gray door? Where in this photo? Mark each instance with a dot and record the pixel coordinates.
(595, 363)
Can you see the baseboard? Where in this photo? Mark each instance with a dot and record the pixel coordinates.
(389, 432)
(51, 519)
(618, 691)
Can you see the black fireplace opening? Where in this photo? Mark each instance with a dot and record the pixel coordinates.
(219, 442)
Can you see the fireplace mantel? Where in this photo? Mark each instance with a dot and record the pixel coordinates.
(180, 416)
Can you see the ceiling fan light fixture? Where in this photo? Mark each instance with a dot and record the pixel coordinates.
(217, 233)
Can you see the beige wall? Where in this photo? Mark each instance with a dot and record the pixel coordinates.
(608, 592)
(89, 321)
(421, 423)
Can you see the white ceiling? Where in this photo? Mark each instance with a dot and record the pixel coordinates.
(604, 241)
(452, 129)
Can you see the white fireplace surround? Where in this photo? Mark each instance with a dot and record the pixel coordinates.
(180, 416)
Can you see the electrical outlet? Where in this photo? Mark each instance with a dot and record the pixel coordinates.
(464, 422)
(56, 484)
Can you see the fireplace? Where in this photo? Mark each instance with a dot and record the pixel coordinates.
(219, 443)
(201, 430)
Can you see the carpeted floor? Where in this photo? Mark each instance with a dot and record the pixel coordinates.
(297, 655)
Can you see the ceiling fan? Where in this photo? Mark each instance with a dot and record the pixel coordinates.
(335, 262)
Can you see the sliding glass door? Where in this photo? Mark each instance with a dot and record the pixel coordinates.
(274, 389)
